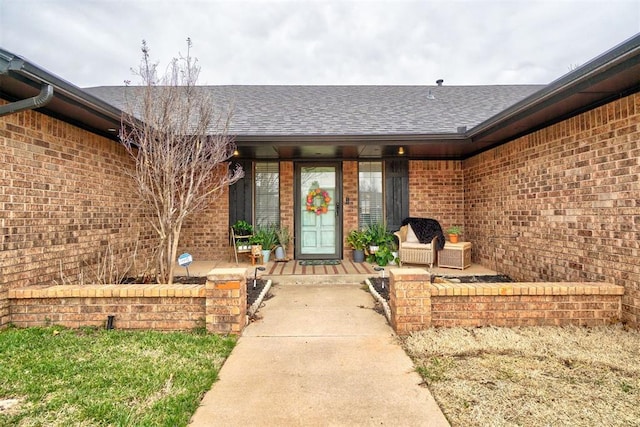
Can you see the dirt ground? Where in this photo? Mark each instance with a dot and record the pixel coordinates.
(536, 376)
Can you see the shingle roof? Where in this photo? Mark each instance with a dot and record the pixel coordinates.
(353, 110)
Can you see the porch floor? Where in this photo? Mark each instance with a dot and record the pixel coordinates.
(345, 268)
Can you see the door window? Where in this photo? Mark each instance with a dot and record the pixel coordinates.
(318, 212)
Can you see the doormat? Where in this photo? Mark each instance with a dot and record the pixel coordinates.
(320, 262)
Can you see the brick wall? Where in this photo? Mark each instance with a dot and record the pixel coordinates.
(205, 234)
(65, 199)
(563, 203)
(525, 304)
(220, 305)
(350, 211)
(286, 202)
(226, 306)
(436, 190)
(180, 307)
(525, 310)
(417, 304)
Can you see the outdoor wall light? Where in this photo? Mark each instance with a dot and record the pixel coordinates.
(236, 153)
(401, 150)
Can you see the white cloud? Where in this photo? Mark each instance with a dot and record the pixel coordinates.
(96, 42)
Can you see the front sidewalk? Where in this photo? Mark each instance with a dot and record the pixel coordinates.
(320, 356)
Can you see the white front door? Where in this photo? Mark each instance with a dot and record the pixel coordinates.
(318, 219)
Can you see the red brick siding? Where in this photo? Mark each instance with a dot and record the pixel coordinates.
(563, 203)
(350, 211)
(205, 234)
(436, 190)
(287, 202)
(66, 195)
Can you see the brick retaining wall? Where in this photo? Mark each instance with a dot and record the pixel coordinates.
(417, 304)
(220, 305)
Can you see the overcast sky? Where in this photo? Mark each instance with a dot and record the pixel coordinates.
(96, 42)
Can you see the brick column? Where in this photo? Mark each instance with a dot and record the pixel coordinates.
(409, 300)
(350, 211)
(226, 300)
(287, 202)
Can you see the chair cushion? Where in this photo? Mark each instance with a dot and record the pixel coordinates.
(411, 236)
(413, 245)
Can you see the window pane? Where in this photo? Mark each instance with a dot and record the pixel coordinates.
(370, 208)
(267, 194)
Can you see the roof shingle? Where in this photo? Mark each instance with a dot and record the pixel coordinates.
(352, 110)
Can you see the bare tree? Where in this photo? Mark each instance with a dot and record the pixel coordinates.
(181, 147)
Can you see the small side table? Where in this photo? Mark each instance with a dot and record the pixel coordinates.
(455, 255)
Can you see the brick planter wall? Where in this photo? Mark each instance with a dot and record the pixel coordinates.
(526, 304)
(409, 300)
(159, 307)
(226, 305)
(417, 304)
(563, 203)
(220, 304)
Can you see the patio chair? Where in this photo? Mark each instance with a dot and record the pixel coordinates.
(411, 251)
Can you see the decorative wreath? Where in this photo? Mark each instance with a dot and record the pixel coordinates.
(313, 195)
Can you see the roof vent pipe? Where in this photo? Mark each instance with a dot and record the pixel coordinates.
(439, 82)
(40, 100)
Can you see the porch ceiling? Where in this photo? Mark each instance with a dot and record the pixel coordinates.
(452, 146)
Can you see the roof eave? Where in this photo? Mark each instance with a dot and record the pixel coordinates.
(66, 95)
(347, 139)
(593, 84)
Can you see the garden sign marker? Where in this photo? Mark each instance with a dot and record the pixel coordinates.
(185, 260)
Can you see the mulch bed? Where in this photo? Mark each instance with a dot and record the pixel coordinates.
(252, 293)
(382, 285)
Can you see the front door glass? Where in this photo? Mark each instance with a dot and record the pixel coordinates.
(318, 213)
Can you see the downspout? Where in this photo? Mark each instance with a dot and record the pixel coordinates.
(40, 100)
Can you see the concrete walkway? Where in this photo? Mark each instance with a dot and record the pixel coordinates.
(319, 357)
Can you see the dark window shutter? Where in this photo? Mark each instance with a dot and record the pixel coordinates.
(396, 177)
(240, 198)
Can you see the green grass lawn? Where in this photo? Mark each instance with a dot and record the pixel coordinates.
(56, 376)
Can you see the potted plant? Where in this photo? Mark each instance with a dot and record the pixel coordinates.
(358, 241)
(255, 243)
(454, 231)
(242, 231)
(283, 240)
(393, 247)
(383, 256)
(266, 236)
(377, 235)
(242, 228)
